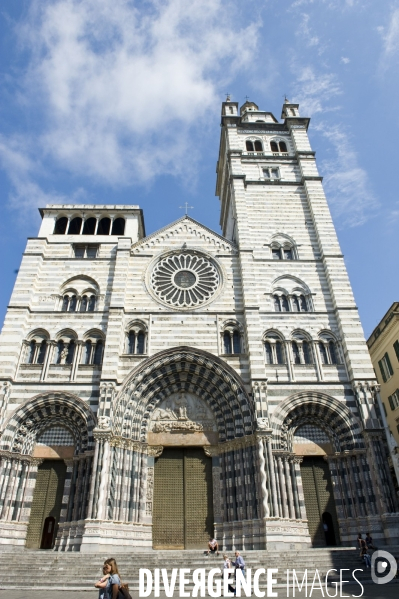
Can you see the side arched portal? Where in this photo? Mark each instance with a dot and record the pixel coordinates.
(47, 441)
(340, 470)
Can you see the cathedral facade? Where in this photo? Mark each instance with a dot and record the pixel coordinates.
(159, 389)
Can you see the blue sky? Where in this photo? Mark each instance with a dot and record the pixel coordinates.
(112, 101)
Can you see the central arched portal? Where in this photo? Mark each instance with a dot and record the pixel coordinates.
(182, 515)
(177, 409)
(183, 499)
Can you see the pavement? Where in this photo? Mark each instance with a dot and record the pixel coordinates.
(372, 591)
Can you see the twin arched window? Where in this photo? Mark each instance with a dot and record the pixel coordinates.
(302, 352)
(37, 352)
(254, 146)
(232, 341)
(328, 351)
(136, 342)
(282, 253)
(93, 352)
(74, 303)
(274, 350)
(291, 303)
(91, 226)
(278, 147)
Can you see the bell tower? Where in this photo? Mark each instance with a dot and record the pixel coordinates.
(272, 205)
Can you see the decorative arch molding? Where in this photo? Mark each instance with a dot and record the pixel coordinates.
(324, 411)
(289, 283)
(183, 369)
(80, 283)
(44, 411)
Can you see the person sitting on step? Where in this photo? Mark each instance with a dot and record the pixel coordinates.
(213, 547)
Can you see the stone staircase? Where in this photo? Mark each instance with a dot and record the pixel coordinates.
(28, 569)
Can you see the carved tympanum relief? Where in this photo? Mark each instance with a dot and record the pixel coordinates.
(182, 412)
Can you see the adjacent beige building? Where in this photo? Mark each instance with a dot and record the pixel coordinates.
(383, 345)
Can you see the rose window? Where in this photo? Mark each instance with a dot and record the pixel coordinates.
(185, 280)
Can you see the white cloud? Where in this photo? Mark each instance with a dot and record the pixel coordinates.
(305, 31)
(345, 59)
(122, 89)
(17, 160)
(390, 35)
(347, 184)
(313, 90)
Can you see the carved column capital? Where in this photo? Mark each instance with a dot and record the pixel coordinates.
(211, 450)
(154, 450)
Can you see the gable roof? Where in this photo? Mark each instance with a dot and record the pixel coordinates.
(196, 229)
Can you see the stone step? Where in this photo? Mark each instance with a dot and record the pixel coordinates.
(28, 568)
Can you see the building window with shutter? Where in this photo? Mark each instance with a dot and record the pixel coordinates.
(394, 400)
(396, 348)
(385, 367)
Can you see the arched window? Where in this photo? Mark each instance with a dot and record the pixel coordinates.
(295, 304)
(295, 351)
(92, 303)
(258, 146)
(104, 226)
(273, 146)
(279, 352)
(90, 226)
(32, 352)
(98, 352)
(131, 342)
(306, 352)
(284, 304)
(277, 305)
(288, 254)
(83, 304)
(65, 303)
(282, 146)
(236, 342)
(42, 352)
(249, 145)
(88, 352)
(74, 226)
(136, 342)
(227, 342)
(333, 353)
(60, 352)
(60, 226)
(71, 352)
(276, 253)
(323, 353)
(118, 226)
(269, 353)
(140, 342)
(73, 303)
(303, 304)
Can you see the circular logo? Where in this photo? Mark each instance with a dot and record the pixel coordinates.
(185, 280)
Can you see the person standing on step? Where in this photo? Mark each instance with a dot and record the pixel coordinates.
(114, 581)
(102, 583)
(227, 565)
(239, 562)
